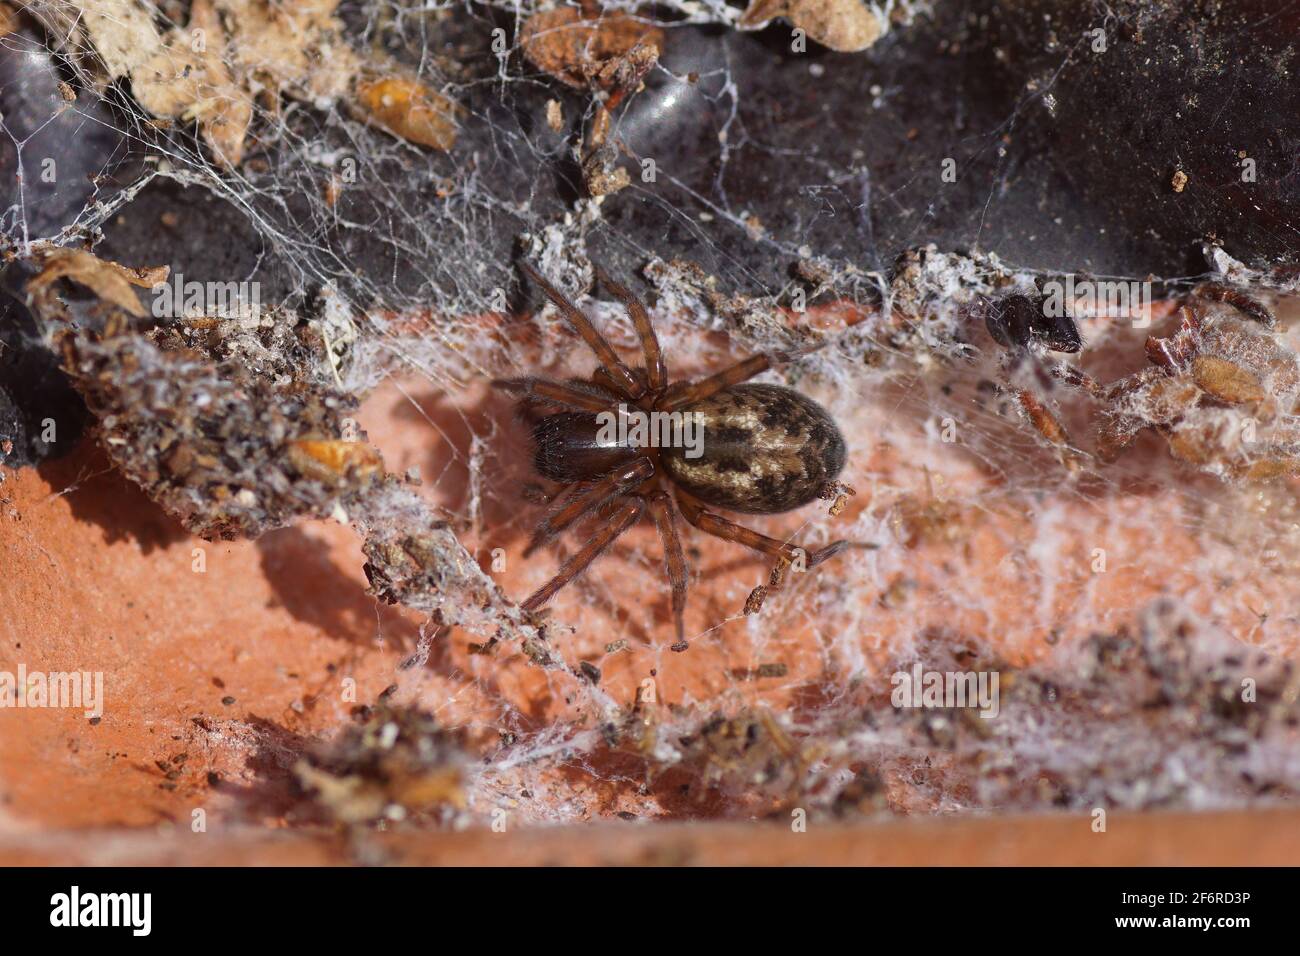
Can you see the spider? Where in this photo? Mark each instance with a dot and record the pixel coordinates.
(765, 449)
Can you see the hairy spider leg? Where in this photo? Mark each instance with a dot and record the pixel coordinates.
(620, 521)
(1243, 303)
(720, 527)
(602, 379)
(655, 368)
(568, 395)
(665, 519)
(628, 384)
(584, 500)
(742, 371)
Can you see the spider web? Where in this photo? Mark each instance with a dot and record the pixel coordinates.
(979, 541)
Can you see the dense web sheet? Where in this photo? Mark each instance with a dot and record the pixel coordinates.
(1123, 602)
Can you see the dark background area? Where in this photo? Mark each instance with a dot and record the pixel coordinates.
(1064, 160)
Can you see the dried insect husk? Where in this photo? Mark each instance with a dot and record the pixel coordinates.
(1195, 443)
(1149, 398)
(1215, 439)
(1219, 394)
(1275, 463)
(1048, 425)
(1167, 398)
(408, 108)
(847, 26)
(601, 175)
(607, 52)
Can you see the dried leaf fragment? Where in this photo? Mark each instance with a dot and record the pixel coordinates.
(846, 26)
(229, 51)
(122, 31)
(172, 79)
(108, 280)
(605, 52)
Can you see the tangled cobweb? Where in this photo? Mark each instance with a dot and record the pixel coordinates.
(381, 164)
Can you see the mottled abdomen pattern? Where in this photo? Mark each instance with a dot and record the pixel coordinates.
(767, 449)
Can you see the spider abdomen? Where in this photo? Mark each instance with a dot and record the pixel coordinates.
(766, 449)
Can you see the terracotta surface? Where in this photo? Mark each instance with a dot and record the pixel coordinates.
(1235, 839)
(238, 666)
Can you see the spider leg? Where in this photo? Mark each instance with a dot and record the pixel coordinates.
(1048, 425)
(740, 372)
(1246, 304)
(608, 358)
(620, 521)
(656, 370)
(584, 500)
(569, 395)
(720, 527)
(602, 379)
(1076, 378)
(661, 509)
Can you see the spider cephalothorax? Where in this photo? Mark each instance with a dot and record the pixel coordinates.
(756, 449)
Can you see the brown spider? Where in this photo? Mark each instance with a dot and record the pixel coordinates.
(765, 449)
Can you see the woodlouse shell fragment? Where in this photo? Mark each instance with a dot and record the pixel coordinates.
(582, 52)
(1227, 381)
